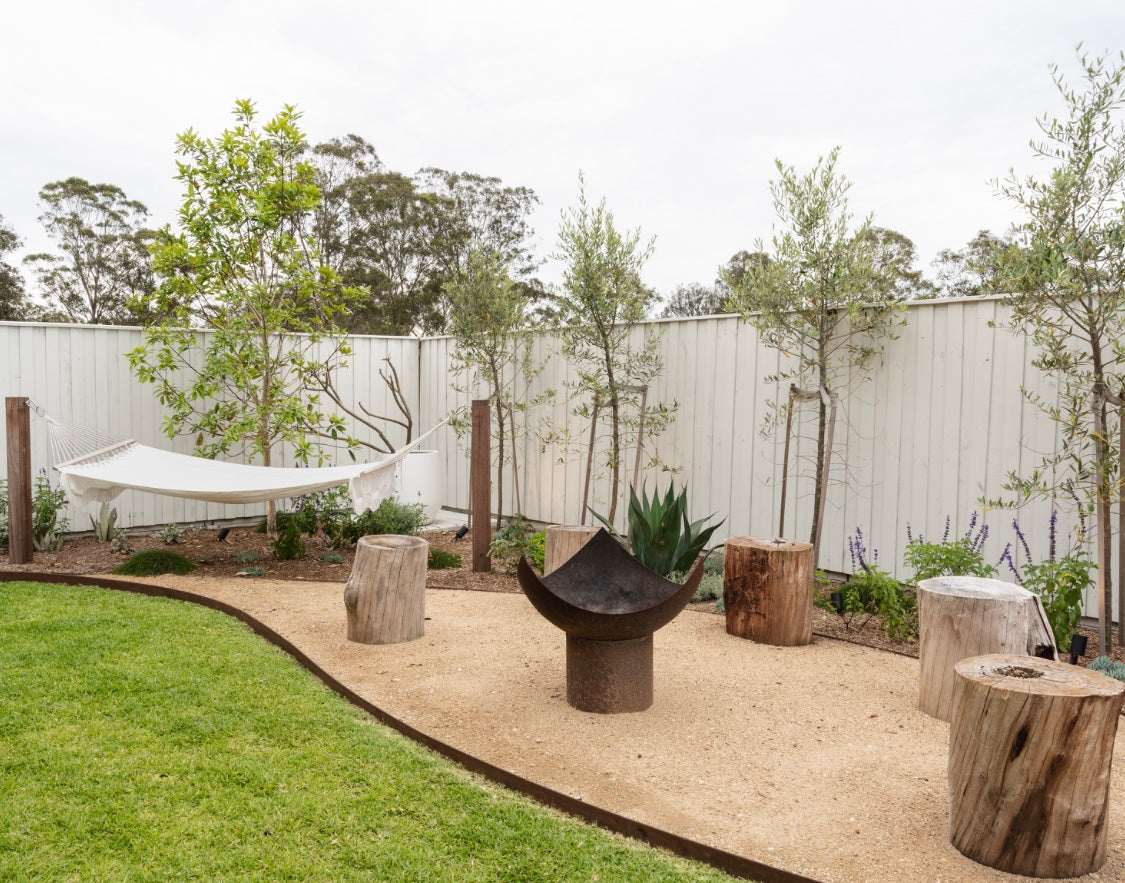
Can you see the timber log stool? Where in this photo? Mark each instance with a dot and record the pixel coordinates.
(561, 541)
(768, 590)
(609, 604)
(386, 593)
(1030, 749)
(963, 616)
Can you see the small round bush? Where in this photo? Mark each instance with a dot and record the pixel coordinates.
(153, 562)
(441, 560)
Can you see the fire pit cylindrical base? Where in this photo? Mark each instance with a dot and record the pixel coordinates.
(609, 677)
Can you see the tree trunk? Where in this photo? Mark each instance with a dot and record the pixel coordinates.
(767, 590)
(1030, 750)
(386, 593)
(963, 616)
(561, 542)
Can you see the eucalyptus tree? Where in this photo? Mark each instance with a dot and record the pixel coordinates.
(601, 302)
(821, 298)
(1066, 276)
(13, 294)
(102, 265)
(244, 267)
(971, 271)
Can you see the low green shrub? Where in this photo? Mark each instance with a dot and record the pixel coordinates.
(715, 559)
(710, 588)
(48, 524)
(537, 549)
(439, 559)
(512, 541)
(331, 557)
(1060, 583)
(246, 558)
(1110, 667)
(172, 533)
(870, 592)
(960, 557)
(253, 570)
(391, 517)
(153, 562)
(289, 544)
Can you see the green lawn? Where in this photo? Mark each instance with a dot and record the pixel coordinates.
(143, 738)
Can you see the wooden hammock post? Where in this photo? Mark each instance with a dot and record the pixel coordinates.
(480, 490)
(18, 423)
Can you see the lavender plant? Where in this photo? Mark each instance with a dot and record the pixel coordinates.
(963, 556)
(1060, 583)
(872, 593)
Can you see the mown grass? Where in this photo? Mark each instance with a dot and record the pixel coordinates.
(143, 738)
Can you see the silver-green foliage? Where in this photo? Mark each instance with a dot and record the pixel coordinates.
(601, 302)
(1066, 275)
(172, 533)
(104, 525)
(1110, 667)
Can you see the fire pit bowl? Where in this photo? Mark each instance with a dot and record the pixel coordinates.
(609, 605)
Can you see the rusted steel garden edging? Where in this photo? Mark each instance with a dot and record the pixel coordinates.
(728, 862)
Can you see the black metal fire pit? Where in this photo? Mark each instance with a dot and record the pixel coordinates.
(609, 604)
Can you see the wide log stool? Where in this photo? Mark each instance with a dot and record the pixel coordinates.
(561, 541)
(1030, 749)
(386, 593)
(963, 616)
(768, 590)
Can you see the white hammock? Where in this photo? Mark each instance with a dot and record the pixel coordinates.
(97, 476)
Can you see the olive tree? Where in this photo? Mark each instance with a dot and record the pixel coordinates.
(824, 298)
(1066, 272)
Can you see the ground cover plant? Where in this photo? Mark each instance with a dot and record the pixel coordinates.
(145, 738)
(152, 562)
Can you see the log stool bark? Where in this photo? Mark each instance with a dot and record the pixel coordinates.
(560, 543)
(386, 592)
(767, 590)
(1030, 749)
(963, 616)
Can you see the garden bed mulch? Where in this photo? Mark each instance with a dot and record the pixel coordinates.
(814, 759)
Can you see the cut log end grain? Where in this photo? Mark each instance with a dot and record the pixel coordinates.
(561, 542)
(1030, 750)
(385, 596)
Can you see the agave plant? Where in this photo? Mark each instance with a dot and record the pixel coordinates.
(660, 534)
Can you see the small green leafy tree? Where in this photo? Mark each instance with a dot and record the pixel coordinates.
(825, 296)
(244, 267)
(601, 302)
(48, 524)
(1066, 275)
(489, 322)
(963, 556)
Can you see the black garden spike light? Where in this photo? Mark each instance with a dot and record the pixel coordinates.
(461, 531)
(1077, 647)
(837, 599)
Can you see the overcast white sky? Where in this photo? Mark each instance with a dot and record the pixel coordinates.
(675, 111)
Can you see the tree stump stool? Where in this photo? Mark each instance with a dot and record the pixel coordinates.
(768, 589)
(963, 616)
(386, 592)
(561, 541)
(1030, 749)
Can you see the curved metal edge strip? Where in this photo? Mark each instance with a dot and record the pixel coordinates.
(728, 862)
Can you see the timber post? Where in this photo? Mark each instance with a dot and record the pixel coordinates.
(18, 423)
(480, 486)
